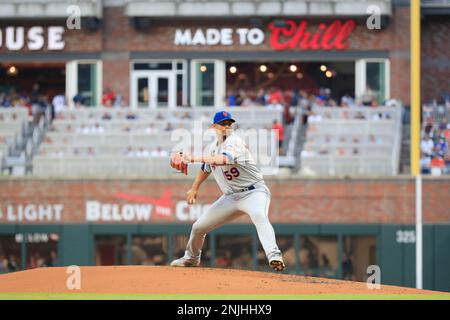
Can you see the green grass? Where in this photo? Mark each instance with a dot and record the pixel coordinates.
(99, 296)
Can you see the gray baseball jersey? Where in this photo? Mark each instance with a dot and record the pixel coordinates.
(242, 173)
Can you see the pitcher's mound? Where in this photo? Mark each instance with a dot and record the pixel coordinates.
(172, 280)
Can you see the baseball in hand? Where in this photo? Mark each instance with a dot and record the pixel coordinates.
(191, 196)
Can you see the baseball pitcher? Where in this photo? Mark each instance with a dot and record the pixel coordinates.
(243, 187)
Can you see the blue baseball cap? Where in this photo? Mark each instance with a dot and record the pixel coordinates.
(221, 116)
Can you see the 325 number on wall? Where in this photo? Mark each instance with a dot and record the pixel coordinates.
(406, 236)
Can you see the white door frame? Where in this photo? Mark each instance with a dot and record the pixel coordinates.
(152, 76)
(219, 81)
(361, 77)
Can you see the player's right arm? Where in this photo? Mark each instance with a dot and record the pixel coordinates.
(192, 192)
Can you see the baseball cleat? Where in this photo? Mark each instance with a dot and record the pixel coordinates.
(277, 264)
(184, 262)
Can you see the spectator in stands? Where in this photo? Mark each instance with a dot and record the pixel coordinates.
(168, 127)
(360, 115)
(425, 163)
(261, 97)
(325, 266)
(368, 97)
(129, 152)
(374, 140)
(127, 128)
(69, 128)
(57, 153)
(231, 98)
(313, 117)
(288, 117)
(375, 103)
(280, 134)
(108, 97)
(131, 116)
(275, 100)
(97, 128)
(347, 101)
(186, 115)
(441, 146)
(313, 259)
(159, 152)
(78, 100)
(58, 104)
(225, 260)
(3, 264)
(35, 95)
(83, 129)
(151, 129)
(106, 116)
(427, 146)
(347, 267)
(91, 151)
(324, 95)
(12, 264)
(142, 153)
(323, 150)
(118, 101)
(308, 151)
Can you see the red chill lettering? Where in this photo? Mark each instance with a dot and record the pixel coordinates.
(326, 37)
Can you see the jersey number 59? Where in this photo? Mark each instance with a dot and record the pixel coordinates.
(232, 173)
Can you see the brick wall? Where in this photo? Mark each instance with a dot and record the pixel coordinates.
(435, 63)
(293, 201)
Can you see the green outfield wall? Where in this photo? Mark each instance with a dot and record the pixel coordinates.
(391, 247)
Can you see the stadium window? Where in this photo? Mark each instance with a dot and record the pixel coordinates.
(208, 79)
(149, 250)
(319, 256)
(234, 251)
(110, 250)
(359, 253)
(10, 253)
(42, 250)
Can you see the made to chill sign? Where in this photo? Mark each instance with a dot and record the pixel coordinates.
(290, 35)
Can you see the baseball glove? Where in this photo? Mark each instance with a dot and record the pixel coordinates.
(178, 162)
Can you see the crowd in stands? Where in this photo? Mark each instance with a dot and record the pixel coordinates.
(277, 98)
(36, 101)
(435, 141)
(284, 99)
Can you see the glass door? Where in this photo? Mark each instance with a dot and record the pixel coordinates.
(153, 89)
(372, 80)
(163, 90)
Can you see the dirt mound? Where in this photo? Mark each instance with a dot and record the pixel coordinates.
(169, 280)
